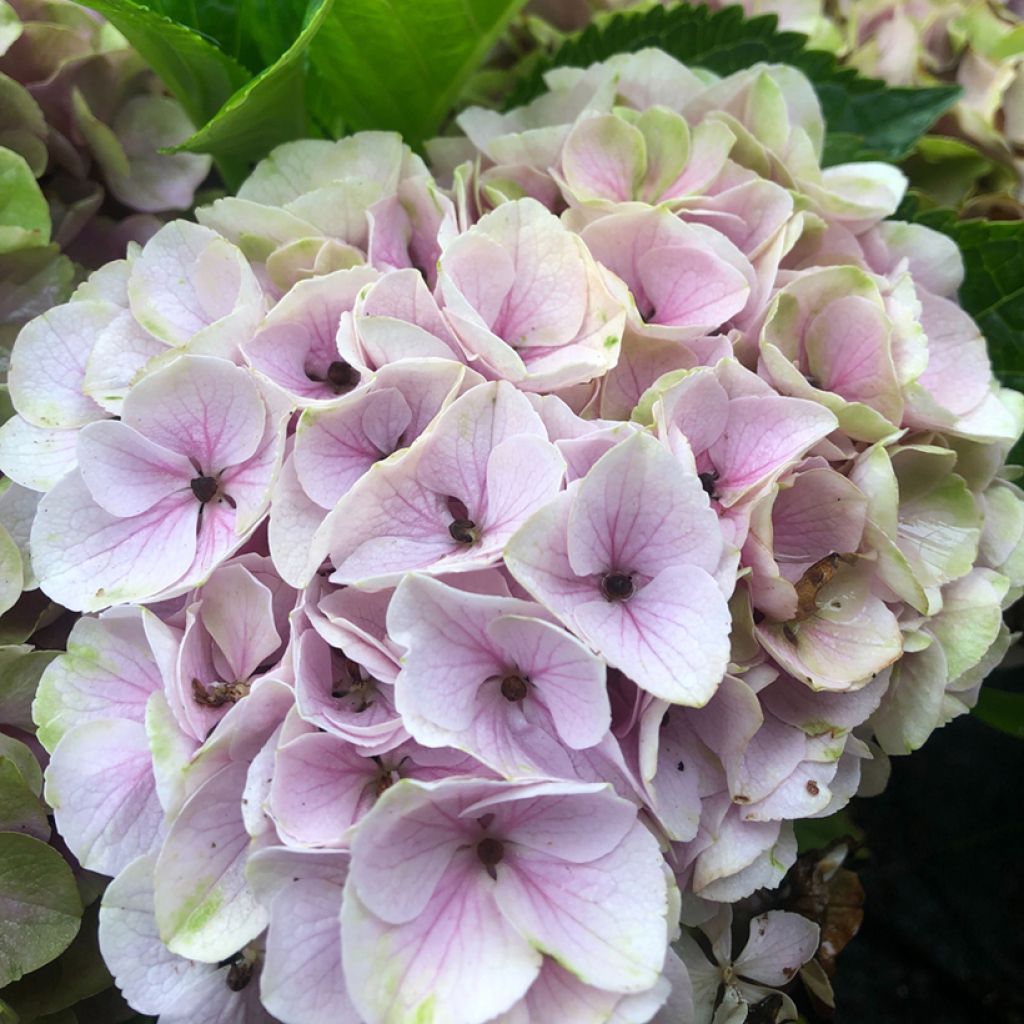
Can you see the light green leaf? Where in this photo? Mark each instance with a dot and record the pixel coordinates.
(39, 906)
(268, 110)
(10, 26)
(201, 76)
(401, 64)
(24, 215)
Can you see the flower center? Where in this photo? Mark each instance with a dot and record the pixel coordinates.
(617, 586)
(239, 975)
(708, 481)
(491, 853)
(513, 688)
(216, 695)
(204, 488)
(361, 690)
(462, 529)
(342, 376)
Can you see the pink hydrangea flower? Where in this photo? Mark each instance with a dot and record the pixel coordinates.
(634, 580)
(165, 493)
(527, 865)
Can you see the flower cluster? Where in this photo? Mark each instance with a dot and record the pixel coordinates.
(79, 111)
(500, 557)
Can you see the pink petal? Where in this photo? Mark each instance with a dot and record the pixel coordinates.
(402, 851)
(569, 680)
(671, 637)
(303, 938)
(691, 287)
(204, 906)
(237, 611)
(36, 457)
(205, 408)
(126, 473)
(637, 510)
(457, 959)
(780, 944)
(87, 559)
(100, 784)
(322, 786)
(762, 437)
(108, 672)
(603, 920)
(48, 364)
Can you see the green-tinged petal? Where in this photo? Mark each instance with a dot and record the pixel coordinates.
(971, 615)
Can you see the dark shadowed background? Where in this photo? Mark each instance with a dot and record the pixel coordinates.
(943, 934)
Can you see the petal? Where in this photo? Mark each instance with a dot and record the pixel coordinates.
(205, 408)
(150, 976)
(87, 559)
(322, 785)
(763, 437)
(691, 287)
(780, 944)
(457, 960)
(604, 920)
(671, 638)
(48, 364)
(404, 847)
(36, 457)
(568, 678)
(108, 672)
(334, 447)
(238, 612)
(204, 907)
(304, 940)
(604, 157)
(100, 785)
(126, 473)
(637, 510)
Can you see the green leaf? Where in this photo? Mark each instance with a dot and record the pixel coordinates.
(268, 110)
(869, 118)
(817, 833)
(39, 906)
(24, 215)
(401, 64)
(21, 810)
(1002, 710)
(201, 76)
(993, 288)
(61, 985)
(20, 669)
(19, 754)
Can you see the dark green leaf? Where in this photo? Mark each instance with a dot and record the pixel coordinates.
(266, 111)
(1002, 710)
(20, 669)
(400, 64)
(873, 119)
(200, 75)
(817, 833)
(39, 905)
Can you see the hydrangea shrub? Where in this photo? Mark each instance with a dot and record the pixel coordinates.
(485, 562)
